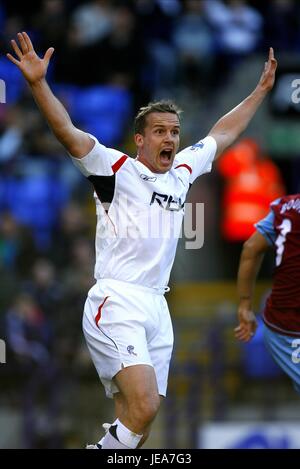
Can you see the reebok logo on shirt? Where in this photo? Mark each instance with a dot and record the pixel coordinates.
(148, 178)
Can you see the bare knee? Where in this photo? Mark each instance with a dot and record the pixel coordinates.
(139, 401)
(143, 409)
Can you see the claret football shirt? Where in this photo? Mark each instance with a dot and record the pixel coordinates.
(282, 229)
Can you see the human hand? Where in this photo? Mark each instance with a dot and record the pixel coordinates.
(31, 65)
(247, 325)
(267, 78)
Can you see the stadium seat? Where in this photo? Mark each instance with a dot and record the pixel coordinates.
(101, 110)
(36, 200)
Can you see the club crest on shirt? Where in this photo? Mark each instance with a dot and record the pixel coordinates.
(197, 146)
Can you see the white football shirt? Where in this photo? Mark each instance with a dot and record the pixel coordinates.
(140, 213)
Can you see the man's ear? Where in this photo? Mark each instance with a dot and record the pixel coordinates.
(139, 140)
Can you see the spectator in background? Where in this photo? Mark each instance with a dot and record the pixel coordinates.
(92, 21)
(121, 50)
(13, 92)
(22, 131)
(282, 25)
(70, 53)
(2, 17)
(51, 12)
(194, 43)
(11, 134)
(89, 24)
(29, 337)
(73, 225)
(78, 278)
(8, 286)
(238, 31)
(17, 247)
(156, 21)
(79, 272)
(252, 181)
(44, 286)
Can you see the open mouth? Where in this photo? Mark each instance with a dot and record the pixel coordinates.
(165, 156)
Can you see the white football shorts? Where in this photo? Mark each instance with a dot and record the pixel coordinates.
(127, 324)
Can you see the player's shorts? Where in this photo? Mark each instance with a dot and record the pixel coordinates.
(286, 352)
(127, 324)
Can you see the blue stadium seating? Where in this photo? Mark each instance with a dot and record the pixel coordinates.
(101, 110)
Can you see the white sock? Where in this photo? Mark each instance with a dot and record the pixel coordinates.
(119, 437)
(100, 442)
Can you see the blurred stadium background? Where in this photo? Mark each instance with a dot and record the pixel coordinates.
(110, 58)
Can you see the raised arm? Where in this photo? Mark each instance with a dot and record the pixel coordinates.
(251, 258)
(230, 126)
(34, 70)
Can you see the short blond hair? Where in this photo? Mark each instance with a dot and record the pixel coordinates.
(165, 106)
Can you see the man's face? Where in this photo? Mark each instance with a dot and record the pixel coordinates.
(159, 144)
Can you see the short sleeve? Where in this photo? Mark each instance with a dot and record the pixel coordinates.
(266, 225)
(100, 161)
(198, 158)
